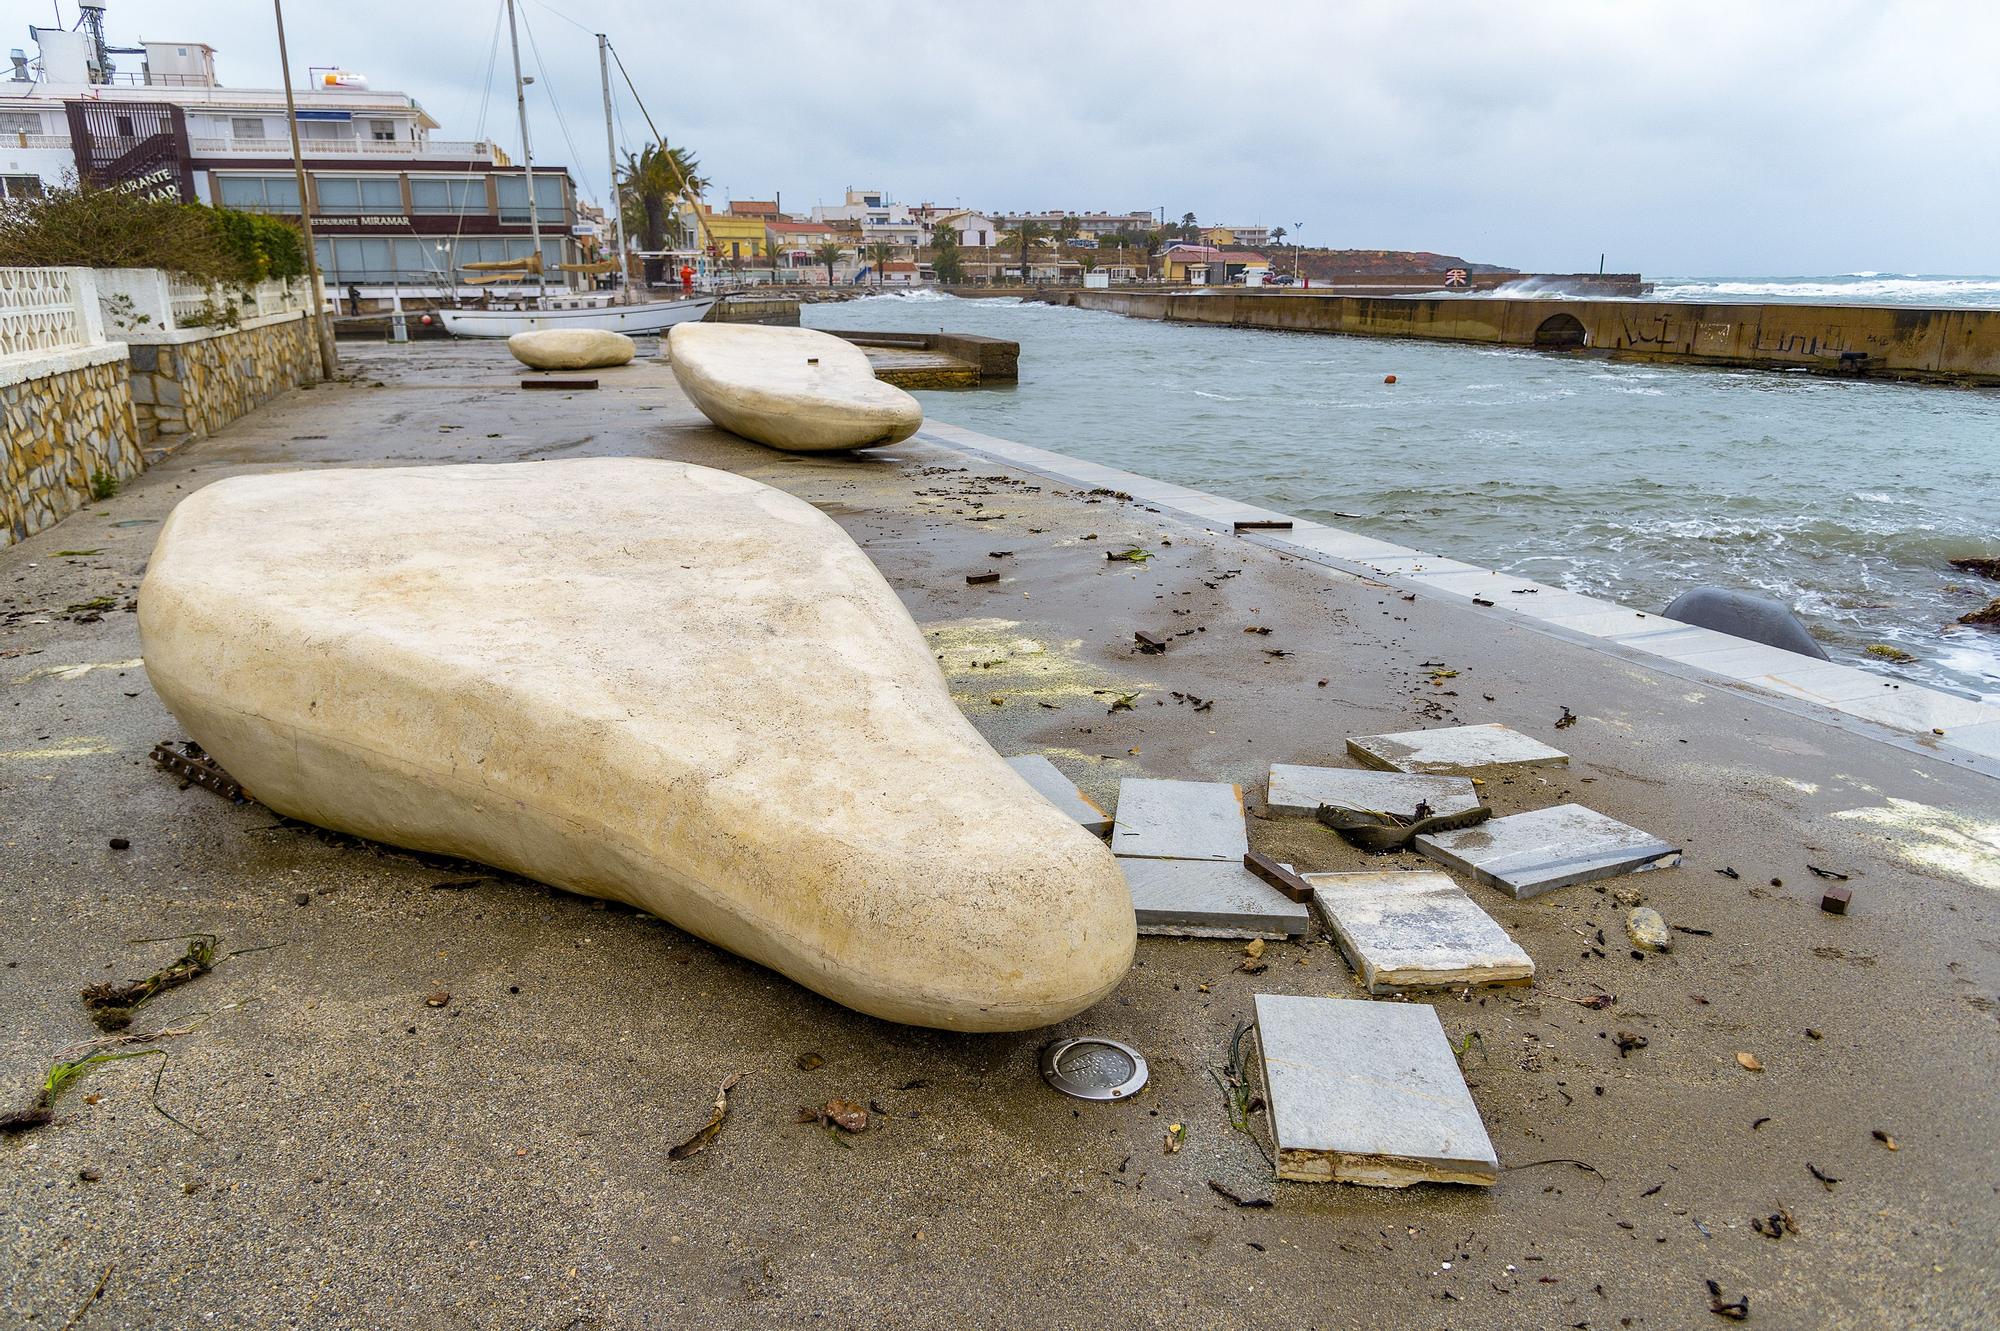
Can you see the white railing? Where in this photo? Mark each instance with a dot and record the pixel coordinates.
(48, 309)
(445, 150)
(149, 305)
(17, 139)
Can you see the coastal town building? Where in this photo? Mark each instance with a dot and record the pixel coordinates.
(734, 238)
(392, 207)
(975, 230)
(879, 217)
(1093, 225)
(1207, 264)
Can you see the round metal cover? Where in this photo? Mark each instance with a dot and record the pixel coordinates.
(1089, 1067)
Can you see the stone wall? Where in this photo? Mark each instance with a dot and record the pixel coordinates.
(194, 388)
(59, 430)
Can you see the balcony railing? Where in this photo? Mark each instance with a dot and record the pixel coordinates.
(16, 139)
(47, 309)
(446, 150)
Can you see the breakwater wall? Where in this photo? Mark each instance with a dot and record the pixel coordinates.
(1955, 346)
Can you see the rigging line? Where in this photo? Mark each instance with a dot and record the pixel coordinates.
(700, 222)
(548, 86)
(479, 136)
(564, 17)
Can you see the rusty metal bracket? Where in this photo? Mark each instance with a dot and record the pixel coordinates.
(188, 761)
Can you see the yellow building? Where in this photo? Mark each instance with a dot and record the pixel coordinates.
(1217, 235)
(733, 237)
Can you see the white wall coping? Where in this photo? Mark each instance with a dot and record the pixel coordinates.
(43, 364)
(174, 337)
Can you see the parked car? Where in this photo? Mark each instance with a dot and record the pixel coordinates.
(1279, 279)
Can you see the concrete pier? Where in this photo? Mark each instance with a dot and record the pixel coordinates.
(1950, 346)
(938, 360)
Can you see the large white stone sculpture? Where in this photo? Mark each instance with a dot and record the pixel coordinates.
(571, 349)
(657, 683)
(793, 388)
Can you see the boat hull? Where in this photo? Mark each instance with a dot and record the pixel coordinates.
(631, 320)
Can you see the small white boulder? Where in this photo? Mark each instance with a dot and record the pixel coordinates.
(571, 349)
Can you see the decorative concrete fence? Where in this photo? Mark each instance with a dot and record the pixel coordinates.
(205, 353)
(67, 429)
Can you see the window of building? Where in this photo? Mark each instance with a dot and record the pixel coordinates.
(267, 194)
(514, 198)
(125, 130)
(442, 195)
(358, 194)
(20, 187)
(246, 127)
(20, 122)
(325, 129)
(382, 131)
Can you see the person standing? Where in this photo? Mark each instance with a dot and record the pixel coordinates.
(687, 279)
(353, 298)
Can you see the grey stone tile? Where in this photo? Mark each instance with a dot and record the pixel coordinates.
(1450, 749)
(1403, 930)
(1059, 790)
(1180, 820)
(1527, 854)
(1209, 899)
(1367, 1093)
(1300, 790)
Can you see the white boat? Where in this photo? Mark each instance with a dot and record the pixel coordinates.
(632, 320)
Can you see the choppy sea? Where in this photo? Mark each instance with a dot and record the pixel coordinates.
(1631, 482)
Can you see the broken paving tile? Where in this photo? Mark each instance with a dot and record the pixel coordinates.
(1209, 899)
(1459, 749)
(1526, 854)
(1299, 790)
(1059, 790)
(1367, 1093)
(1180, 820)
(1420, 930)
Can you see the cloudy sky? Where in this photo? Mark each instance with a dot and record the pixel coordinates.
(1685, 138)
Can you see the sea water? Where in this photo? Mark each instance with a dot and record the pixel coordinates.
(1628, 481)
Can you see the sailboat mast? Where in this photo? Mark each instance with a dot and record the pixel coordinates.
(611, 156)
(527, 152)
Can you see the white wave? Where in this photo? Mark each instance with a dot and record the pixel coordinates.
(915, 295)
(1219, 397)
(1871, 287)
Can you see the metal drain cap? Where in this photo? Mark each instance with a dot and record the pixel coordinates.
(1089, 1067)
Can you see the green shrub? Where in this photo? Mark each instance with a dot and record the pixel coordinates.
(114, 228)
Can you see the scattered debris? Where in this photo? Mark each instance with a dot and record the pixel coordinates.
(707, 1131)
(1647, 929)
(187, 760)
(1256, 1200)
(1059, 790)
(1749, 1061)
(1775, 1225)
(111, 1006)
(975, 579)
(1454, 750)
(1896, 655)
(1253, 962)
(1278, 876)
(560, 385)
(1627, 1041)
(1885, 1139)
(1378, 832)
(1527, 854)
(1835, 900)
(1263, 524)
(437, 998)
(1818, 872)
(1566, 720)
(1727, 872)
(120, 843)
(1735, 1310)
(1175, 1140)
(1480, 600)
(1180, 820)
(1150, 643)
(808, 1062)
(1132, 556)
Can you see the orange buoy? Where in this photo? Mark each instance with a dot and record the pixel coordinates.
(1388, 378)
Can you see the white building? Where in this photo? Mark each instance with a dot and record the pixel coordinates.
(975, 230)
(1250, 237)
(1094, 225)
(392, 207)
(879, 217)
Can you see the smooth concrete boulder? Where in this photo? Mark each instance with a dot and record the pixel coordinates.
(571, 349)
(793, 388)
(641, 680)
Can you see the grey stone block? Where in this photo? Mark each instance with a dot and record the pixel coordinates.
(1451, 749)
(1180, 820)
(1403, 931)
(1059, 790)
(1527, 854)
(1209, 899)
(1301, 790)
(1369, 1093)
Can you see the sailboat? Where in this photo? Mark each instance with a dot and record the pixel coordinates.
(611, 311)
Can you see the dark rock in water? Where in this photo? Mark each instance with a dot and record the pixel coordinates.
(1986, 566)
(1987, 618)
(1745, 615)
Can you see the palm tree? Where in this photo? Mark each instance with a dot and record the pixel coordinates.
(1278, 235)
(829, 252)
(946, 262)
(1027, 234)
(649, 182)
(1190, 228)
(879, 253)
